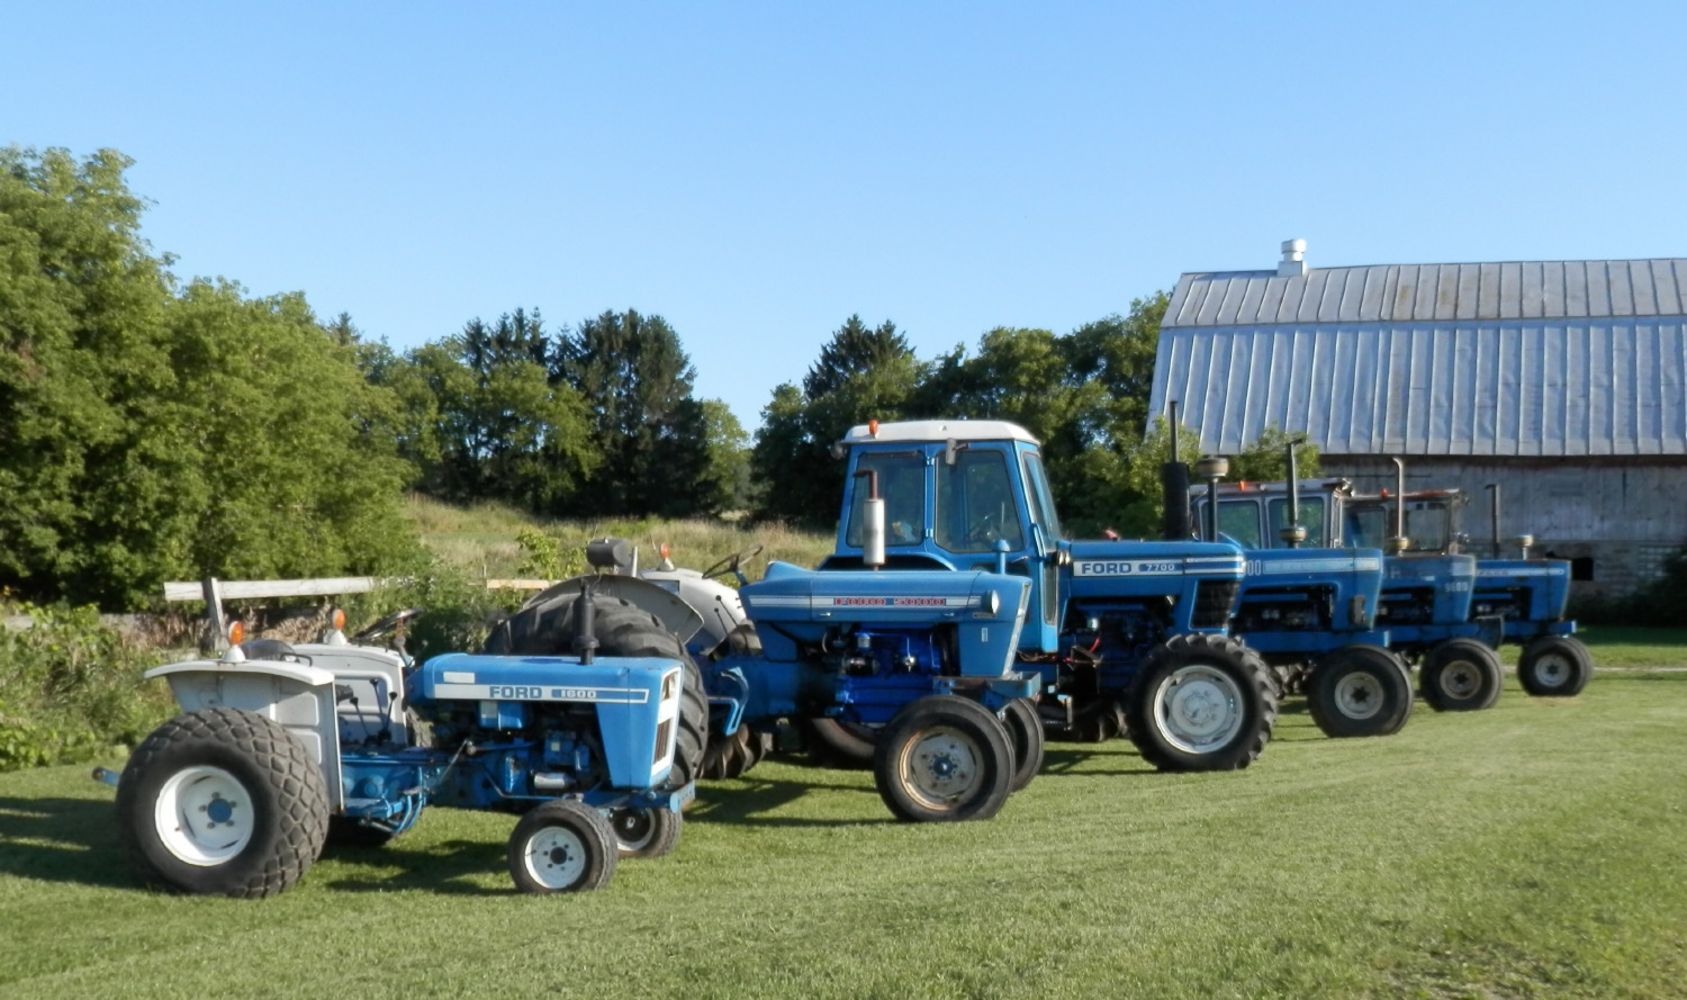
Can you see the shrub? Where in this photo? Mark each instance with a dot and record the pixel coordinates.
(71, 688)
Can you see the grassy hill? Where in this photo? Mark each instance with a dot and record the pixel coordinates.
(482, 539)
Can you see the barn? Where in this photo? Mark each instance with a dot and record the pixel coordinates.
(1565, 382)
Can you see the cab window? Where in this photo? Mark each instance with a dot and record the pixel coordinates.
(902, 484)
(1366, 527)
(1240, 520)
(975, 503)
(1311, 518)
(1042, 501)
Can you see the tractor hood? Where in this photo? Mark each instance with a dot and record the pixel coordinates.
(1451, 577)
(1547, 582)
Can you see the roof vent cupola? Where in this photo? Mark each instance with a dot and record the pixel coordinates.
(1293, 264)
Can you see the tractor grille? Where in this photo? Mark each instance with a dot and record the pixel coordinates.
(1213, 599)
(662, 732)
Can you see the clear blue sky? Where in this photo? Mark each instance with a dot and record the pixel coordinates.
(756, 173)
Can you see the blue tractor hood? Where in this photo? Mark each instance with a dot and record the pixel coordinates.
(1547, 582)
(792, 606)
(1451, 577)
(1200, 578)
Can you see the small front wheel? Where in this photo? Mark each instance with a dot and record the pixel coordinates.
(1461, 675)
(943, 759)
(562, 846)
(645, 833)
(1555, 667)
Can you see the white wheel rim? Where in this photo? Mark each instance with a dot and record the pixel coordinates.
(204, 816)
(555, 857)
(1359, 696)
(942, 767)
(1198, 709)
(1461, 679)
(634, 828)
(1552, 670)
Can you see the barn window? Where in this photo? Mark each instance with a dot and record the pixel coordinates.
(1581, 568)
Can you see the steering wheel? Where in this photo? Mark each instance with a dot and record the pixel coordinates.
(387, 626)
(731, 563)
(983, 529)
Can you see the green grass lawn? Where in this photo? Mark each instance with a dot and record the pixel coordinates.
(1538, 849)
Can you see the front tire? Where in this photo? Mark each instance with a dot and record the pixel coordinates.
(222, 802)
(1201, 703)
(1025, 732)
(645, 833)
(1555, 667)
(1461, 675)
(562, 846)
(1360, 691)
(944, 759)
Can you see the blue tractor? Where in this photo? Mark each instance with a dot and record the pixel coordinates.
(1529, 595)
(281, 747)
(927, 659)
(1310, 609)
(1120, 636)
(1426, 599)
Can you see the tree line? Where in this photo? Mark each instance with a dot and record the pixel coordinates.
(153, 428)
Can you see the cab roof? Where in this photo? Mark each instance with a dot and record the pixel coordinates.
(938, 431)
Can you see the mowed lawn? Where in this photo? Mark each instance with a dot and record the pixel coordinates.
(1538, 849)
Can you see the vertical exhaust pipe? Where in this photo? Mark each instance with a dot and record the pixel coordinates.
(1399, 543)
(1494, 517)
(1174, 486)
(1212, 468)
(873, 522)
(1293, 533)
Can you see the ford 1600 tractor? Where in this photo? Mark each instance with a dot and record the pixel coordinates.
(1121, 635)
(281, 746)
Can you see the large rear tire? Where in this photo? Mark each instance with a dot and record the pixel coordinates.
(222, 802)
(1555, 667)
(733, 756)
(943, 759)
(621, 629)
(1360, 691)
(1461, 675)
(1201, 703)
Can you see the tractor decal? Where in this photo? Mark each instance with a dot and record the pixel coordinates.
(536, 692)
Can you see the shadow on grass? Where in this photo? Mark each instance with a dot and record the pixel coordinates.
(748, 801)
(454, 867)
(63, 840)
(1063, 760)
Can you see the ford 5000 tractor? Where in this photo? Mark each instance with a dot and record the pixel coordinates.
(1121, 635)
(280, 746)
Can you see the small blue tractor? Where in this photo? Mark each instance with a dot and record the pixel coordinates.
(281, 747)
(1426, 599)
(926, 657)
(1529, 595)
(1310, 610)
(1120, 635)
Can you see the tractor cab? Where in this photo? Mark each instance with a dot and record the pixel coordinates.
(957, 495)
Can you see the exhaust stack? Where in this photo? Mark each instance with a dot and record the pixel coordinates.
(1174, 485)
(873, 522)
(1293, 534)
(1399, 543)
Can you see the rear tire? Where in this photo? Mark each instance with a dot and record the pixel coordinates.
(943, 759)
(1460, 675)
(1555, 667)
(562, 846)
(621, 629)
(222, 802)
(1025, 732)
(1201, 703)
(1360, 691)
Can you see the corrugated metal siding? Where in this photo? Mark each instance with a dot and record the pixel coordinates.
(1502, 386)
(1421, 293)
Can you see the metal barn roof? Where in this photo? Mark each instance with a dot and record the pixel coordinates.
(1525, 358)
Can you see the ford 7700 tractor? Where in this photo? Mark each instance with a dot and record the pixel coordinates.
(1121, 634)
